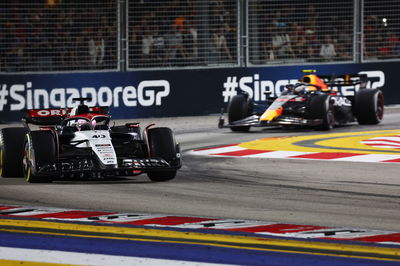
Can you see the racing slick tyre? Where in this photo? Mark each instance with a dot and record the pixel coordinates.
(128, 128)
(239, 107)
(162, 144)
(40, 150)
(321, 108)
(369, 106)
(11, 151)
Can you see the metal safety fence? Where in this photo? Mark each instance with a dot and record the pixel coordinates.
(293, 32)
(380, 30)
(58, 35)
(120, 35)
(175, 33)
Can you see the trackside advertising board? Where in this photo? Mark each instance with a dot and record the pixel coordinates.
(142, 94)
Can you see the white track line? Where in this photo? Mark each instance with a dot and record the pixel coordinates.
(219, 150)
(369, 158)
(77, 258)
(277, 154)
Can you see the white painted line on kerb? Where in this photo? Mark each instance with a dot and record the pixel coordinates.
(369, 158)
(277, 154)
(77, 258)
(219, 150)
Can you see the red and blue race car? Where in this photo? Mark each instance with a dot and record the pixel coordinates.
(316, 101)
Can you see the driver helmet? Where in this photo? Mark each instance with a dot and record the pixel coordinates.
(94, 123)
(315, 80)
(83, 124)
(300, 88)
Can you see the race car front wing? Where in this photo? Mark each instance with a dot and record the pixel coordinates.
(88, 165)
(255, 121)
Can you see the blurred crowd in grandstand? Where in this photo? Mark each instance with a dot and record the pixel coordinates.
(309, 34)
(43, 37)
(183, 33)
(61, 35)
(377, 34)
(73, 35)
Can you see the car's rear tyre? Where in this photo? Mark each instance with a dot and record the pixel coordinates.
(369, 106)
(11, 151)
(40, 150)
(162, 144)
(322, 108)
(239, 108)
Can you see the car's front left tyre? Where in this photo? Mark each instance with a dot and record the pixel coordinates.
(162, 145)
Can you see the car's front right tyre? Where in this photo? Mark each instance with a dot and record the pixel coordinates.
(322, 108)
(11, 147)
(39, 150)
(239, 108)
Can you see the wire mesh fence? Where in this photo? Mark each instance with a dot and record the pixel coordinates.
(381, 30)
(284, 32)
(72, 35)
(58, 35)
(182, 33)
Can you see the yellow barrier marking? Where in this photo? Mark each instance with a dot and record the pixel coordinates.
(31, 263)
(192, 237)
(349, 142)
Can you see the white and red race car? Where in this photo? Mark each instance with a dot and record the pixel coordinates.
(79, 143)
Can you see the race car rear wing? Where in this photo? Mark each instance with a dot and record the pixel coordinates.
(53, 116)
(345, 80)
(45, 117)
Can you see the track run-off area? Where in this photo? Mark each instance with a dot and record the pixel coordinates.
(270, 196)
(367, 146)
(31, 236)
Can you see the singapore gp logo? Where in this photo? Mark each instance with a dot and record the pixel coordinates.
(24, 96)
(258, 89)
(376, 79)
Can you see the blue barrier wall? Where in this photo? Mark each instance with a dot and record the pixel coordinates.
(170, 93)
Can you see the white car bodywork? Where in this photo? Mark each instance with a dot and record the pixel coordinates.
(100, 142)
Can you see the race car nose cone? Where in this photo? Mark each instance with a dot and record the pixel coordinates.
(269, 115)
